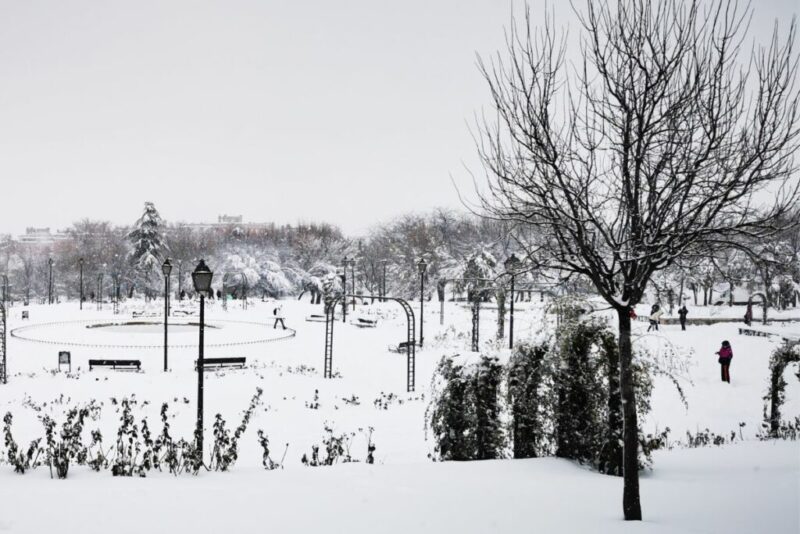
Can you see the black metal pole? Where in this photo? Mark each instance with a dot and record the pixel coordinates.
(81, 295)
(166, 316)
(50, 283)
(353, 269)
(421, 306)
(384, 280)
(200, 379)
(344, 294)
(511, 322)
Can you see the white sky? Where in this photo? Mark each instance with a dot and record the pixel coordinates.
(347, 111)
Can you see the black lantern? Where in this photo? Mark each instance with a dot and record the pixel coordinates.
(166, 268)
(511, 264)
(201, 277)
(422, 266)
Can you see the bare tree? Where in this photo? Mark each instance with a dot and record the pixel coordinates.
(667, 137)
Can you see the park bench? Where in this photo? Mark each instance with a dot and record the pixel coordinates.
(364, 323)
(753, 332)
(400, 347)
(222, 363)
(122, 365)
(315, 318)
(184, 312)
(143, 314)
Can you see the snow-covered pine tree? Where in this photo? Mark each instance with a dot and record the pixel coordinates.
(149, 249)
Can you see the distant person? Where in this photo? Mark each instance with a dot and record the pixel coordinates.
(725, 354)
(182, 295)
(632, 313)
(655, 317)
(748, 314)
(278, 314)
(682, 313)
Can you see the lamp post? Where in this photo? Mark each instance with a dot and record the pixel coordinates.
(422, 266)
(511, 264)
(80, 265)
(344, 290)
(180, 278)
(201, 278)
(383, 284)
(353, 282)
(50, 282)
(166, 268)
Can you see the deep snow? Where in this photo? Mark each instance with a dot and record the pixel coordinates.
(739, 488)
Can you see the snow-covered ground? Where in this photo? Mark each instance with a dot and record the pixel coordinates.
(749, 487)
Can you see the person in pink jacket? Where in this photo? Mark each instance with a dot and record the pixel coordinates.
(725, 354)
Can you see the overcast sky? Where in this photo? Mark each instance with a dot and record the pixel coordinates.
(347, 111)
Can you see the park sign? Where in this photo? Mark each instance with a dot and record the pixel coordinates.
(64, 358)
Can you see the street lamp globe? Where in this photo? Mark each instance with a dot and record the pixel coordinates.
(166, 268)
(201, 277)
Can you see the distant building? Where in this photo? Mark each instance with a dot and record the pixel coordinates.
(41, 236)
(225, 222)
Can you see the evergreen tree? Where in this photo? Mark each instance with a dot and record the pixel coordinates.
(149, 249)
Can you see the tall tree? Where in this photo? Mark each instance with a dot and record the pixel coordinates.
(149, 248)
(664, 139)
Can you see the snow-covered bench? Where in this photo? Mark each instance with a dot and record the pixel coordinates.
(222, 363)
(142, 313)
(400, 347)
(753, 332)
(122, 365)
(364, 323)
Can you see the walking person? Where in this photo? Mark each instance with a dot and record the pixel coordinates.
(278, 313)
(655, 317)
(748, 314)
(725, 354)
(682, 313)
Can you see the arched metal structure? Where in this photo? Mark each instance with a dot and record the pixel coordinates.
(226, 283)
(411, 350)
(3, 358)
(100, 291)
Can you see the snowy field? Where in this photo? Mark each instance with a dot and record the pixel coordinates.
(746, 487)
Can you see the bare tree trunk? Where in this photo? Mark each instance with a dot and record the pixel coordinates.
(631, 505)
(730, 296)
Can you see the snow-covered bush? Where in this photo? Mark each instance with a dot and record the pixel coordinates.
(226, 447)
(19, 459)
(781, 357)
(465, 413)
(529, 383)
(64, 447)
